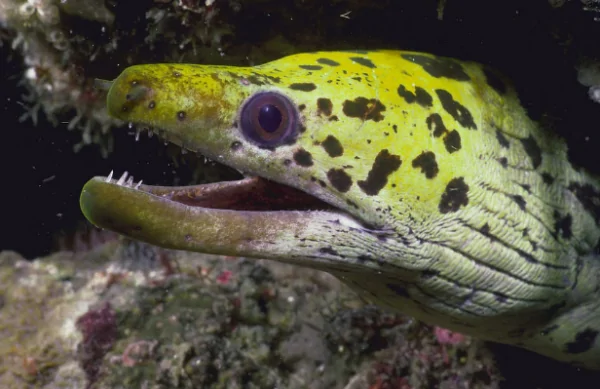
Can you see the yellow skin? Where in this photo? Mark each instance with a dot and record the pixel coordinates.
(448, 203)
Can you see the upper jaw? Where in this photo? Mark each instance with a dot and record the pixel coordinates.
(246, 194)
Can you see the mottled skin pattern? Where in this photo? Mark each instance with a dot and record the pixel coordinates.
(454, 207)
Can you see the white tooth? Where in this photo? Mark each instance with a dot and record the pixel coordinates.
(137, 134)
(137, 186)
(109, 176)
(166, 143)
(130, 125)
(122, 179)
(130, 181)
(150, 133)
(183, 151)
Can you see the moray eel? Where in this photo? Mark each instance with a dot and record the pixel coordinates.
(418, 180)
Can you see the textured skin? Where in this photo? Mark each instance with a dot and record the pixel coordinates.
(468, 215)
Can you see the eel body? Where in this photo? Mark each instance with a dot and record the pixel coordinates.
(420, 181)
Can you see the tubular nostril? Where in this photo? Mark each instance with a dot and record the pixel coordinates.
(102, 85)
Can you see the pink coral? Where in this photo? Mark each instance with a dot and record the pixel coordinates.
(445, 336)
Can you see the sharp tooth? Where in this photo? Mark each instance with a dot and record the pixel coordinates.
(150, 133)
(109, 176)
(184, 151)
(137, 186)
(165, 142)
(130, 125)
(137, 134)
(129, 181)
(122, 179)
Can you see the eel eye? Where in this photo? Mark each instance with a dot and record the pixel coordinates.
(269, 119)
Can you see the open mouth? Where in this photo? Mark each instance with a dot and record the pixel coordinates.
(247, 194)
(250, 216)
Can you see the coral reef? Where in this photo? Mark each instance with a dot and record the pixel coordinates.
(127, 315)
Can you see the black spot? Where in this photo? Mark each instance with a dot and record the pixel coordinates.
(235, 145)
(303, 158)
(461, 114)
(357, 78)
(301, 107)
(328, 62)
(152, 104)
(520, 201)
(502, 139)
(533, 150)
(363, 61)
(547, 178)
(324, 106)
(428, 274)
(562, 225)
(365, 258)
(328, 250)
(439, 67)
(452, 141)
(485, 230)
(311, 67)
(583, 341)
(303, 86)
(332, 146)
(526, 187)
(384, 165)
(436, 124)
(454, 196)
(420, 96)
(399, 290)
(333, 118)
(503, 161)
(339, 179)
(426, 161)
(494, 81)
(589, 197)
(500, 297)
(287, 162)
(181, 116)
(275, 80)
(365, 109)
